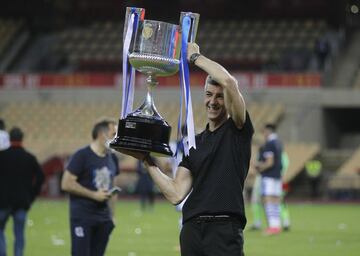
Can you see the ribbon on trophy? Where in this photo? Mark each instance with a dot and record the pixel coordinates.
(185, 92)
(128, 76)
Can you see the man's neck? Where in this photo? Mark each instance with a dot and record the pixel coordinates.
(98, 148)
(272, 136)
(16, 143)
(213, 125)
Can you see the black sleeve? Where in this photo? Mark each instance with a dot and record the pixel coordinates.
(247, 130)
(38, 178)
(185, 162)
(75, 165)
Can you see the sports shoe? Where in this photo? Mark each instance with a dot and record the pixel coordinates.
(286, 228)
(254, 228)
(272, 231)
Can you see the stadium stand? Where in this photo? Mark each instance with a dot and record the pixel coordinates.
(348, 175)
(100, 42)
(64, 126)
(8, 29)
(357, 80)
(299, 154)
(56, 127)
(259, 44)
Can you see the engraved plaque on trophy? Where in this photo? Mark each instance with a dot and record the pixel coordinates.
(154, 50)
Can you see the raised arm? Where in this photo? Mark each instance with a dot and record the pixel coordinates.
(174, 189)
(234, 101)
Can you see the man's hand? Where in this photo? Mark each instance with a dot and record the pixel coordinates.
(257, 167)
(101, 195)
(192, 48)
(140, 155)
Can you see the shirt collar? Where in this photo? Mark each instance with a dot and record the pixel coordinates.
(272, 136)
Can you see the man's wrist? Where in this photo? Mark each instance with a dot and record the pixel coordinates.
(194, 57)
(148, 160)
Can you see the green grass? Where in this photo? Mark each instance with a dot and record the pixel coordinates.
(317, 230)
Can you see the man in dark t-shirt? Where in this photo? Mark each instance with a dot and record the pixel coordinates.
(269, 165)
(214, 172)
(88, 178)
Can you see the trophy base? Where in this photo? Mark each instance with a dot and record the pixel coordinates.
(141, 133)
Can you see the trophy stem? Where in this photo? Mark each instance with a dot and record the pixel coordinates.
(148, 107)
(151, 82)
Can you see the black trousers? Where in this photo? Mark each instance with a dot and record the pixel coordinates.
(89, 238)
(212, 237)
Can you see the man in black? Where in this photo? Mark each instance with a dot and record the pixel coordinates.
(21, 178)
(214, 214)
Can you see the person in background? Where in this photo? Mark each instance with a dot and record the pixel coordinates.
(313, 170)
(284, 208)
(257, 206)
(322, 51)
(145, 188)
(21, 178)
(4, 136)
(88, 178)
(269, 166)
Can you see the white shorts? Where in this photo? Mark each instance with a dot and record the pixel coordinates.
(270, 186)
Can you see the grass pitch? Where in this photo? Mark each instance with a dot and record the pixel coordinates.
(319, 230)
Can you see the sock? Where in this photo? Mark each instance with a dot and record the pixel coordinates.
(272, 211)
(256, 210)
(285, 216)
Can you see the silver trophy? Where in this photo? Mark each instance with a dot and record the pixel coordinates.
(154, 51)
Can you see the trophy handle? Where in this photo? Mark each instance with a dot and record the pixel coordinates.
(129, 11)
(194, 24)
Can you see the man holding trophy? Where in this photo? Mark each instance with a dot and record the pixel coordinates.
(213, 171)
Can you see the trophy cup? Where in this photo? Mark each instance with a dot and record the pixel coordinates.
(154, 50)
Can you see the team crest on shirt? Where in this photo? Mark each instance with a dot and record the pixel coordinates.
(102, 178)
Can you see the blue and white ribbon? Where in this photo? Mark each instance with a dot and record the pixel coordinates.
(128, 79)
(185, 84)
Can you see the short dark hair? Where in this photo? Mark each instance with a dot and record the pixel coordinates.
(2, 124)
(210, 80)
(101, 126)
(271, 127)
(16, 134)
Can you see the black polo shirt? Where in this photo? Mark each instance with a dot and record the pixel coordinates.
(219, 166)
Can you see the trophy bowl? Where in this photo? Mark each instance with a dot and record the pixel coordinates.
(154, 51)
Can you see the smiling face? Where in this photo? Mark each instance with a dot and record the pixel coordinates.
(215, 104)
